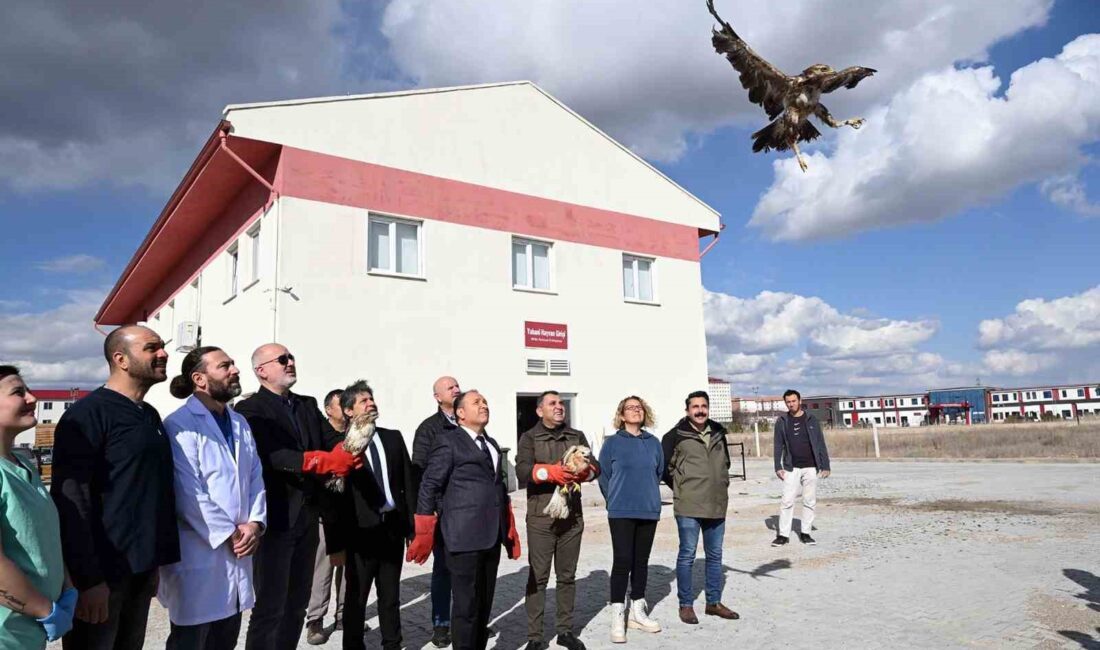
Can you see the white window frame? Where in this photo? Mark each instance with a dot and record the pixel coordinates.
(233, 267)
(392, 222)
(254, 250)
(652, 278)
(530, 260)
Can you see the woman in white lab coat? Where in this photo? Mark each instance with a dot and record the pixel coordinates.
(220, 504)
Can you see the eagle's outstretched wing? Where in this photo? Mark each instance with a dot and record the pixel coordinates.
(848, 77)
(766, 83)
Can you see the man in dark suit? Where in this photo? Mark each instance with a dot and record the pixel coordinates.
(445, 390)
(375, 520)
(464, 486)
(288, 431)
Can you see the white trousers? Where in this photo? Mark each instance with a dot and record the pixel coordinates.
(806, 479)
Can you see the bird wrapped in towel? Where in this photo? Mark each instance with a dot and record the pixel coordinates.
(577, 460)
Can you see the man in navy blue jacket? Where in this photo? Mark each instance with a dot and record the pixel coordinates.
(800, 458)
(464, 483)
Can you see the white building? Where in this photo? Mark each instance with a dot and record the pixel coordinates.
(1066, 402)
(765, 407)
(52, 403)
(910, 410)
(721, 401)
(486, 232)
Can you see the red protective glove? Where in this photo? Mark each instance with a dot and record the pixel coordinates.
(552, 473)
(421, 546)
(338, 462)
(512, 543)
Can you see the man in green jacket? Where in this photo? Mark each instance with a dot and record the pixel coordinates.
(539, 469)
(697, 470)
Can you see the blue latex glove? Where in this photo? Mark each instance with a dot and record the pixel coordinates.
(60, 619)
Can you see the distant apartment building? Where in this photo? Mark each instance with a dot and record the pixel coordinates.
(898, 410)
(1066, 402)
(761, 407)
(51, 404)
(721, 400)
(826, 408)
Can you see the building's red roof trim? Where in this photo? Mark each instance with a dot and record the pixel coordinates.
(60, 395)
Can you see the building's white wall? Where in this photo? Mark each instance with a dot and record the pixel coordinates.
(463, 319)
(510, 137)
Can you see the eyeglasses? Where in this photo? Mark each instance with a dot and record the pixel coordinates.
(633, 407)
(283, 359)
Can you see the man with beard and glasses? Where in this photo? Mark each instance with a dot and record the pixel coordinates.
(289, 432)
(113, 486)
(220, 506)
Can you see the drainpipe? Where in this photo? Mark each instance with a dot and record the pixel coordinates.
(706, 250)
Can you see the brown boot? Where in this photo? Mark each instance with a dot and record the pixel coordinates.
(687, 615)
(721, 611)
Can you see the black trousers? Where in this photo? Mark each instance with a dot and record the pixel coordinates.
(215, 635)
(375, 556)
(631, 542)
(473, 583)
(128, 613)
(283, 577)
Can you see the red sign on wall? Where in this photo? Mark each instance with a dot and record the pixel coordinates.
(545, 335)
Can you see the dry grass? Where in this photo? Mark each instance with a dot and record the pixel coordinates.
(1031, 440)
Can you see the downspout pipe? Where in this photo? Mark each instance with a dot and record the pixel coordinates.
(713, 242)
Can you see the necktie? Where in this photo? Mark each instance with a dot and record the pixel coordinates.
(376, 469)
(485, 448)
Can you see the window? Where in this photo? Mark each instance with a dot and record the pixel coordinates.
(638, 278)
(913, 401)
(254, 252)
(814, 405)
(889, 420)
(1063, 393)
(67, 405)
(394, 246)
(1046, 394)
(1080, 392)
(530, 265)
(234, 260)
(1067, 414)
(862, 403)
(848, 421)
(878, 420)
(996, 397)
(47, 406)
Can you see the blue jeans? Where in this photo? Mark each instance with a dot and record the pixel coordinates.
(713, 532)
(441, 584)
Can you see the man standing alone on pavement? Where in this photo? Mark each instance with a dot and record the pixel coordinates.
(445, 390)
(800, 458)
(539, 469)
(697, 470)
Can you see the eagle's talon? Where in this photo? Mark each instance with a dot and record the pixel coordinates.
(855, 123)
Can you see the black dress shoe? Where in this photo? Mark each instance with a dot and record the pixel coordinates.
(780, 540)
(570, 642)
(806, 539)
(441, 636)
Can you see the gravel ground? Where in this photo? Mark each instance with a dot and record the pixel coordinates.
(909, 554)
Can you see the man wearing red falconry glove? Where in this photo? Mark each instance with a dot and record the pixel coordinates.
(288, 429)
(464, 480)
(539, 468)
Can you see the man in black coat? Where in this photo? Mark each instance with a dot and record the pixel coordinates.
(445, 390)
(113, 487)
(288, 429)
(801, 457)
(464, 491)
(374, 521)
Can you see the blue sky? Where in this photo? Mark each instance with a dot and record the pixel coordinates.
(878, 304)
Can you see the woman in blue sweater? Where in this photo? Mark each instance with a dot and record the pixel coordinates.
(631, 462)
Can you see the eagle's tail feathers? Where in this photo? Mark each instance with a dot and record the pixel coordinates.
(769, 138)
(808, 132)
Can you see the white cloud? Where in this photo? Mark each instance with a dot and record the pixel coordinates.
(56, 346)
(1068, 323)
(1017, 363)
(72, 264)
(946, 143)
(1068, 192)
(781, 340)
(646, 72)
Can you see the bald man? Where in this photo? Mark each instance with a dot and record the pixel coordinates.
(291, 438)
(112, 483)
(444, 390)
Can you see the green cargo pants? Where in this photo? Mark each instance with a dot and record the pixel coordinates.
(557, 540)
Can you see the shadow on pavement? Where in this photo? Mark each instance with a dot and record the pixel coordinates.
(1090, 582)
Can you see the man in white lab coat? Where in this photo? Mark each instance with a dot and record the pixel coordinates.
(220, 506)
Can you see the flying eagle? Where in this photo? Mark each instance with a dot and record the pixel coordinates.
(789, 101)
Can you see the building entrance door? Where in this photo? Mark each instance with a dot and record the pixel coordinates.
(526, 417)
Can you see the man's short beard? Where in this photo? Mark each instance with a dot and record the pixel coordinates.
(144, 372)
(224, 392)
